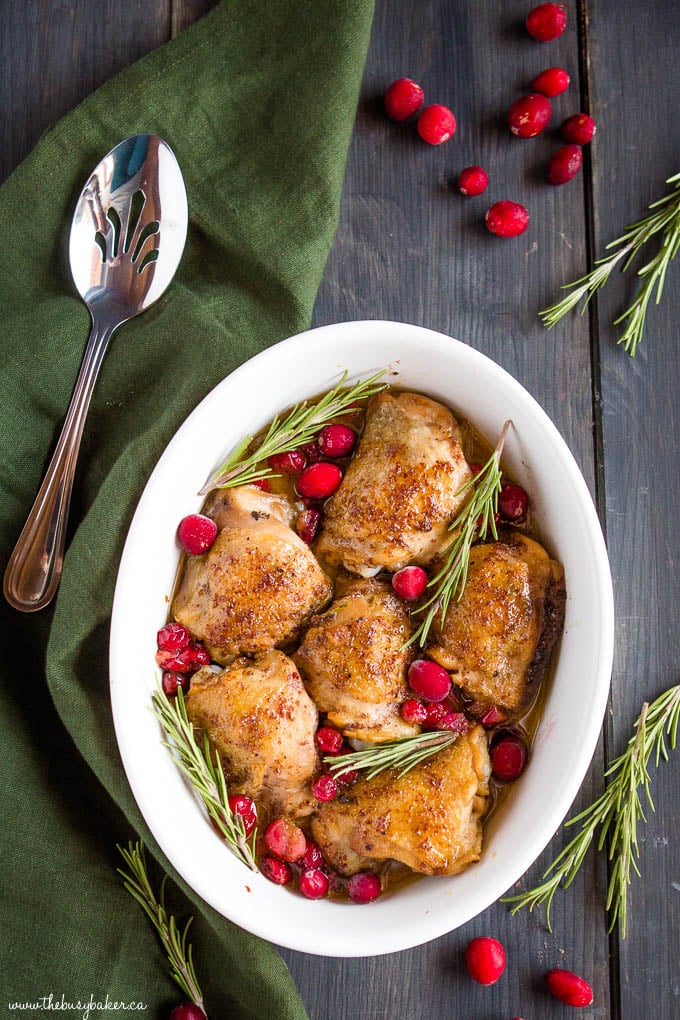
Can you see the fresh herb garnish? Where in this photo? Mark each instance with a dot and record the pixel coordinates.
(402, 754)
(665, 219)
(174, 941)
(474, 521)
(616, 813)
(203, 768)
(300, 426)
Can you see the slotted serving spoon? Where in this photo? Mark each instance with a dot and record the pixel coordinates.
(127, 237)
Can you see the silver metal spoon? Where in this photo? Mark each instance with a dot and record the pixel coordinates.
(127, 237)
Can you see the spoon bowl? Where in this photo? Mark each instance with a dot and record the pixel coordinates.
(128, 233)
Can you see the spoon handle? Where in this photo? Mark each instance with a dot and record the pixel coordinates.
(34, 569)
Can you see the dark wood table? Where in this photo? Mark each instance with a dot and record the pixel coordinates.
(411, 248)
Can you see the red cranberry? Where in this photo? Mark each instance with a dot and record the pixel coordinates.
(507, 219)
(337, 440)
(313, 883)
(329, 740)
(485, 960)
(492, 717)
(473, 180)
(196, 533)
(245, 807)
(456, 722)
(183, 661)
(551, 82)
(409, 583)
(197, 655)
(578, 129)
(435, 714)
(319, 480)
(436, 124)
(546, 22)
(429, 680)
(312, 451)
(569, 988)
(289, 463)
(364, 887)
(347, 777)
(308, 523)
(263, 483)
(324, 788)
(172, 680)
(564, 165)
(403, 98)
(173, 637)
(529, 115)
(508, 755)
(413, 711)
(312, 858)
(513, 503)
(285, 840)
(275, 870)
(188, 1011)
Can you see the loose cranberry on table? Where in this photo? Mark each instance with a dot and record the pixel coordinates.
(546, 22)
(196, 533)
(403, 98)
(436, 124)
(513, 503)
(485, 960)
(290, 463)
(529, 115)
(308, 523)
(578, 129)
(329, 740)
(569, 988)
(275, 870)
(243, 806)
(173, 637)
(171, 681)
(318, 481)
(285, 840)
(473, 180)
(413, 711)
(313, 883)
(363, 887)
(508, 754)
(337, 440)
(409, 583)
(564, 165)
(324, 788)
(429, 680)
(551, 82)
(507, 219)
(187, 1011)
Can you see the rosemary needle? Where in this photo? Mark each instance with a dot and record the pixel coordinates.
(403, 754)
(615, 813)
(299, 426)
(663, 218)
(174, 941)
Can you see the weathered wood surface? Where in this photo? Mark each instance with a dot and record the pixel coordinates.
(410, 248)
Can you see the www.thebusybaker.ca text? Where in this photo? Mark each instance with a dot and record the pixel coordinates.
(86, 1008)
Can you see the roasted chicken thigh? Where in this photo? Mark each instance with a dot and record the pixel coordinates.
(354, 664)
(496, 640)
(400, 490)
(257, 585)
(259, 717)
(429, 818)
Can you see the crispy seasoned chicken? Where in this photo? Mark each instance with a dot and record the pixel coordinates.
(400, 491)
(354, 665)
(257, 585)
(262, 721)
(496, 641)
(430, 818)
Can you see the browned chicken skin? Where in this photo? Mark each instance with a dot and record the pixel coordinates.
(257, 585)
(429, 819)
(262, 721)
(496, 641)
(354, 664)
(400, 491)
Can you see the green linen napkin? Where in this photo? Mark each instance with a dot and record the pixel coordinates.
(257, 101)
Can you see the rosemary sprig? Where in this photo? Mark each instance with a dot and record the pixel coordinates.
(174, 941)
(298, 427)
(665, 219)
(203, 768)
(474, 521)
(402, 754)
(616, 813)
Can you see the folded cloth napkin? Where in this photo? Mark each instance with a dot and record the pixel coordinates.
(257, 100)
